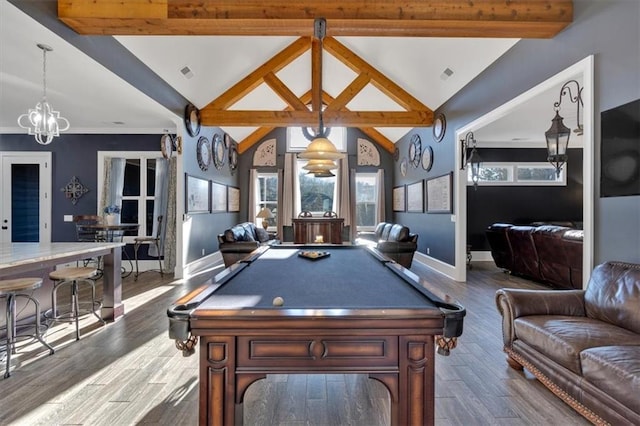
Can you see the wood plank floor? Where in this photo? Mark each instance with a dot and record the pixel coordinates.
(129, 372)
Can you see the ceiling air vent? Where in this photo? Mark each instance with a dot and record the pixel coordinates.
(186, 71)
(448, 72)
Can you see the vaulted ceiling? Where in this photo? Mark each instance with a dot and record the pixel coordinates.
(381, 66)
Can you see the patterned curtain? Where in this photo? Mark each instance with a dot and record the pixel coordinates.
(380, 196)
(113, 183)
(161, 196)
(251, 207)
(170, 223)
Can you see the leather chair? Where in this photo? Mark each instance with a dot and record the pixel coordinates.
(238, 241)
(399, 244)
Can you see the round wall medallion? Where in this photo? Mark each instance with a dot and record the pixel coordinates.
(415, 150)
(396, 154)
(427, 158)
(404, 164)
(439, 127)
(203, 153)
(233, 157)
(166, 145)
(219, 151)
(192, 120)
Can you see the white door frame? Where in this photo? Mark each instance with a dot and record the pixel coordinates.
(43, 160)
(584, 67)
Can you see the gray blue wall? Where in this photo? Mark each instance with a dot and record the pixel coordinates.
(609, 30)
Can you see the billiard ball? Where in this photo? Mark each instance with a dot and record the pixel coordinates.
(278, 301)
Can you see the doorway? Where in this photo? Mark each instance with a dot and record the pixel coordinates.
(584, 68)
(25, 191)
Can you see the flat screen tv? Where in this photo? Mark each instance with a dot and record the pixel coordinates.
(620, 151)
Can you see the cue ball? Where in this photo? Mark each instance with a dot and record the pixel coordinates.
(278, 301)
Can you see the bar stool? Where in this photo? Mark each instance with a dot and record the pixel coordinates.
(10, 289)
(73, 277)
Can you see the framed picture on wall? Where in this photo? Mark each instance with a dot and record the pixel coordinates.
(233, 199)
(415, 197)
(399, 204)
(196, 198)
(439, 194)
(218, 197)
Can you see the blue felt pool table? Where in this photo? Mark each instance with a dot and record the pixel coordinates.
(325, 309)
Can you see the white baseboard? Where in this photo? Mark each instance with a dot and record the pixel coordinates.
(481, 256)
(435, 264)
(203, 263)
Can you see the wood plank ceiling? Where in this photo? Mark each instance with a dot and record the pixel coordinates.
(454, 18)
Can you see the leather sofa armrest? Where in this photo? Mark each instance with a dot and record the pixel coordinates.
(238, 247)
(515, 303)
(396, 246)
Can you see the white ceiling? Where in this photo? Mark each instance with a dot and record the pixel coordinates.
(95, 100)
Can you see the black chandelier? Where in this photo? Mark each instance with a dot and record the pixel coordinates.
(558, 134)
(472, 157)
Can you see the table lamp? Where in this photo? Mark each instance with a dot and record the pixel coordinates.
(265, 214)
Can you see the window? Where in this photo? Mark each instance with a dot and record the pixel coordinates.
(267, 196)
(518, 174)
(296, 141)
(138, 193)
(317, 195)
(366, 201)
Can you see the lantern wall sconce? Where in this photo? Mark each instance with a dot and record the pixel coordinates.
(471, 157)
(558, 134)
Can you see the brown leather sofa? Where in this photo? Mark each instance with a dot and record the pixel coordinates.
(584, 345)
(394, 241)
(551, 254)
(237, 242)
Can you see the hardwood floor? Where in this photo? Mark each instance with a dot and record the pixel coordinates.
(129, 372)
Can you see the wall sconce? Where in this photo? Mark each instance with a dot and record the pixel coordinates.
(558, 134)
(472, 158)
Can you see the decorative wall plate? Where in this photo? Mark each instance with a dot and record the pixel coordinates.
(219, 152)
(166, 145)
(192, 120)
(396, 154)
(427, 158)
(439, 127)
(415, 150)
(404, 164)
(233, 157)
(203, 153)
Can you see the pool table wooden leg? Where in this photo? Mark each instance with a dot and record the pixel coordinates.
(217, 381)
(417, 368)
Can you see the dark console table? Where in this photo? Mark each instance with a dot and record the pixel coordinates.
(306, 230)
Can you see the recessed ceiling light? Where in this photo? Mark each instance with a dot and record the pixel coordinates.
(186, 72)
(448, 72)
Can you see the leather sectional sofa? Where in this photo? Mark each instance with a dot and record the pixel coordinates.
(551, 254)
(237, 242)
(584, 345)
(394, 241)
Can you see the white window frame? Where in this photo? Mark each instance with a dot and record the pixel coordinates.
(296, 142)
(143, 156)
(258, 198)
(512, 175)
(373, 176)
(298, 193)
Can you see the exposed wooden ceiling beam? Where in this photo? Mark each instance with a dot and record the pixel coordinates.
(252, 118)
(397, 18)
(259, 134)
